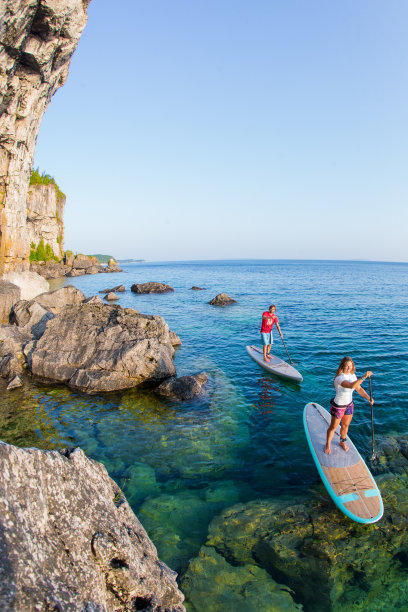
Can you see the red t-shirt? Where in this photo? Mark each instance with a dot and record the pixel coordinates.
(268, 320)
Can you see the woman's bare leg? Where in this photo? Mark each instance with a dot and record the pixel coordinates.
(345, 422)
(330, 433)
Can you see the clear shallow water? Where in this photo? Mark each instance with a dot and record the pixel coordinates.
(181, 464)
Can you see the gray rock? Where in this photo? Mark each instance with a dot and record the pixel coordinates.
(9, 295)
(14, 383)
(12, 342)
(50, 269)
(118, 289)
(71, 542)
(30, 283)
(197, 288)
(94, 270)
(31, 317)
(222, 299)
(174, 339)
(183, 388)
(112, 268)
(75, 272)
(54, 300)
(151, 288)
(111, 297)
(95, 299)
(122, 349)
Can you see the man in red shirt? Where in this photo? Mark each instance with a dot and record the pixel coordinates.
(269, 318)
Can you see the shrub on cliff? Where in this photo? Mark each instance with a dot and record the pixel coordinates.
(42, 252)
(45, 179)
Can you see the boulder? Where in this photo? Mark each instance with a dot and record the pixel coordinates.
(9, 295)
(70, 540)
(14, 383)
(54, 300)
(112, 268)
(118, 288)
(95, 299)
(151, 288)
(94, 270)
(75, 272)
(197, 288)
(123, 348)
(50, 269)
(30, 283)
(30, 317)
(174, 339)
(12, 341)
(111, 297)
(83, 262)
(222, 299)
(183, 388)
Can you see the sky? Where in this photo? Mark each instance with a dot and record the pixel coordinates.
(223, 129)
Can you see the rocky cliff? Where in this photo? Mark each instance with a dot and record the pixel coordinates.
(37, 40)
(45, 214)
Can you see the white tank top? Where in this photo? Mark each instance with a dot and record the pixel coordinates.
(344, 396)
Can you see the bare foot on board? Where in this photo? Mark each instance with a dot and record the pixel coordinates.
(327, 450)
(344, 446)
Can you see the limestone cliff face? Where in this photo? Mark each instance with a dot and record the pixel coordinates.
(37, 40)
(45, 214)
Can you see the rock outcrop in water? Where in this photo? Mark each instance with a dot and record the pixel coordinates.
(183, 388)
(151, 287)
(97, 347)
(222, 299)
(38, 38)
(70, 541)
(321, 560)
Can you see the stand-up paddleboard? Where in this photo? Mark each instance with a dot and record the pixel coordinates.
(275, 365)
(344, 474)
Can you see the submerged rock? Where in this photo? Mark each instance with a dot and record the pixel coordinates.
(223, 586)
(151, 288)
(14, 383)
(329, 562)
(70, 541)
(222, 299)
(194, 288)
(183, 388)
(122, 348)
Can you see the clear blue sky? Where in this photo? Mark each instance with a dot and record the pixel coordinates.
(216, 129)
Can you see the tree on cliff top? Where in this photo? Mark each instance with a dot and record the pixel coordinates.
(43, 178)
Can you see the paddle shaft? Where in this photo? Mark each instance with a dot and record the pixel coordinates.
(286, 350)
(372, 416)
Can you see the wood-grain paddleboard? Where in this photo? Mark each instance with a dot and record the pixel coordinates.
(275, 365)
(344, 474)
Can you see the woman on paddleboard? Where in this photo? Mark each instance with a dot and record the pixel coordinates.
(341, 409)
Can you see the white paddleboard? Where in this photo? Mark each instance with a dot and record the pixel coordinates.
(275, 365)
(344, 474)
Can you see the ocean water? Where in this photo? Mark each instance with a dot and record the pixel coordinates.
(180, 465)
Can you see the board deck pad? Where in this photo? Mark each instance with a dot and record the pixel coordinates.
(275, 365)
(344, 474)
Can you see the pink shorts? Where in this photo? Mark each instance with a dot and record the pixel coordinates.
(339, 411)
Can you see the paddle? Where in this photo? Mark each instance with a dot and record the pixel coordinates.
(373, 455)
(286, 350)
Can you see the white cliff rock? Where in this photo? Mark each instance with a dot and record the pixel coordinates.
(38, 38)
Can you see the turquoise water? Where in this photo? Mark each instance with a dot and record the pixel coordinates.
(181, 464)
